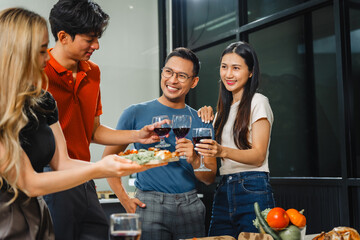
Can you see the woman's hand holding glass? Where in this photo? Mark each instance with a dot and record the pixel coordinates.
(209, 148)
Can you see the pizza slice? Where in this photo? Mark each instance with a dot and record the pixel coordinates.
(150, 156)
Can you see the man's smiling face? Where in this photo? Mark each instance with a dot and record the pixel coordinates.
(173, 89)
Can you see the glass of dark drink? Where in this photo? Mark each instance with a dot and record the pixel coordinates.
(198, 134)
(181, 125)
(162, 130)
(125, 226)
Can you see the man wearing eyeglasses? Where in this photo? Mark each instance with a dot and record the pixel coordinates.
(166, 198)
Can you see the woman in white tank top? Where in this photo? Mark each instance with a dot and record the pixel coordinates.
(242, 131)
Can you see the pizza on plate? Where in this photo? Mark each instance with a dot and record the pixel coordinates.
(150, 156)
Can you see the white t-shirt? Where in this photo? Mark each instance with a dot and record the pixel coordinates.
(260, 108)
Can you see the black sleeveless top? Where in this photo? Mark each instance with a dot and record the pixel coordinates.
(37, 138)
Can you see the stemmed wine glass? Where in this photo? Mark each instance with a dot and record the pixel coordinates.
(162, 130)
(181, 125)
(198, 134)
(125, 226)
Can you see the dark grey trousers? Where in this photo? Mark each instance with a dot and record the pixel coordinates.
(171, 216)
(77, 214)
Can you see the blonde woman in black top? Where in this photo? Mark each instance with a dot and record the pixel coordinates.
(30, 134)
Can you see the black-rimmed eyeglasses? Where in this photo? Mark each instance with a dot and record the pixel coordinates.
(168, 73)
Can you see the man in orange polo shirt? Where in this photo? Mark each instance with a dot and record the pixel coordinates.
(74, 81)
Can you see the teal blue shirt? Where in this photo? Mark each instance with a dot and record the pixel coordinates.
(176, 177)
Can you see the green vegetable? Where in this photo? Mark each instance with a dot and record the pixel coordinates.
(292, 232)
(263, 222)
(264, 213)
(142, 157)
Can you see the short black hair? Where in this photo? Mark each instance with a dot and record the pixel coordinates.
(186, 53)
(78, 17)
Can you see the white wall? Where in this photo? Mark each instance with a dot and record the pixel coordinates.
(128, 56)
(128, 59)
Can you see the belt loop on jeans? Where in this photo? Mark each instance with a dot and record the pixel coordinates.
(187, 198)
(161, 198)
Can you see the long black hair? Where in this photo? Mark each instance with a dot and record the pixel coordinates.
(240, 128)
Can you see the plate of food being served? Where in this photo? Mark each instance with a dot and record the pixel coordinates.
(150, 156)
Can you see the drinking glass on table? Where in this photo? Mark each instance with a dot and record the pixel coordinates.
(125, 226)
(198, 134)
(181, 125)
(161, 130)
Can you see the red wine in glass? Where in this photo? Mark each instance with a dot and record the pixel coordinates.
(198, 139)
(199, 134)
(181, 125)
(161, 130)
(181, 132)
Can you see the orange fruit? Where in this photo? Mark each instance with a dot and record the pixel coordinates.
(296, 217)
(277, 218)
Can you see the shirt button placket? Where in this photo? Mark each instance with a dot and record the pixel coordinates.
(70, 82)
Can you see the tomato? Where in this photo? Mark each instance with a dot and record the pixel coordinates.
(153, 149)
(277, 218)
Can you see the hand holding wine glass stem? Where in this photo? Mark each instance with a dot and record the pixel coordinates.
(203, 147)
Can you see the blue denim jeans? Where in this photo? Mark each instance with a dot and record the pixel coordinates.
(233, 206)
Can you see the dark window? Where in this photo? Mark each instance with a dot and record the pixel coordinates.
(207, 91)
(299, 78)
(354, 13)
(208, 19)
(261, 8)
(326, 93)
(309, 56)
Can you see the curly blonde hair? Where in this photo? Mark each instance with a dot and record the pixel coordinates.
(21, 80)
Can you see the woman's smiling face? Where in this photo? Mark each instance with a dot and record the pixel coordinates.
(234, 73)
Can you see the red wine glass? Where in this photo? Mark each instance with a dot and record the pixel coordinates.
(125, 226)
(181, 125)
(162, 130)
(198, 134)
